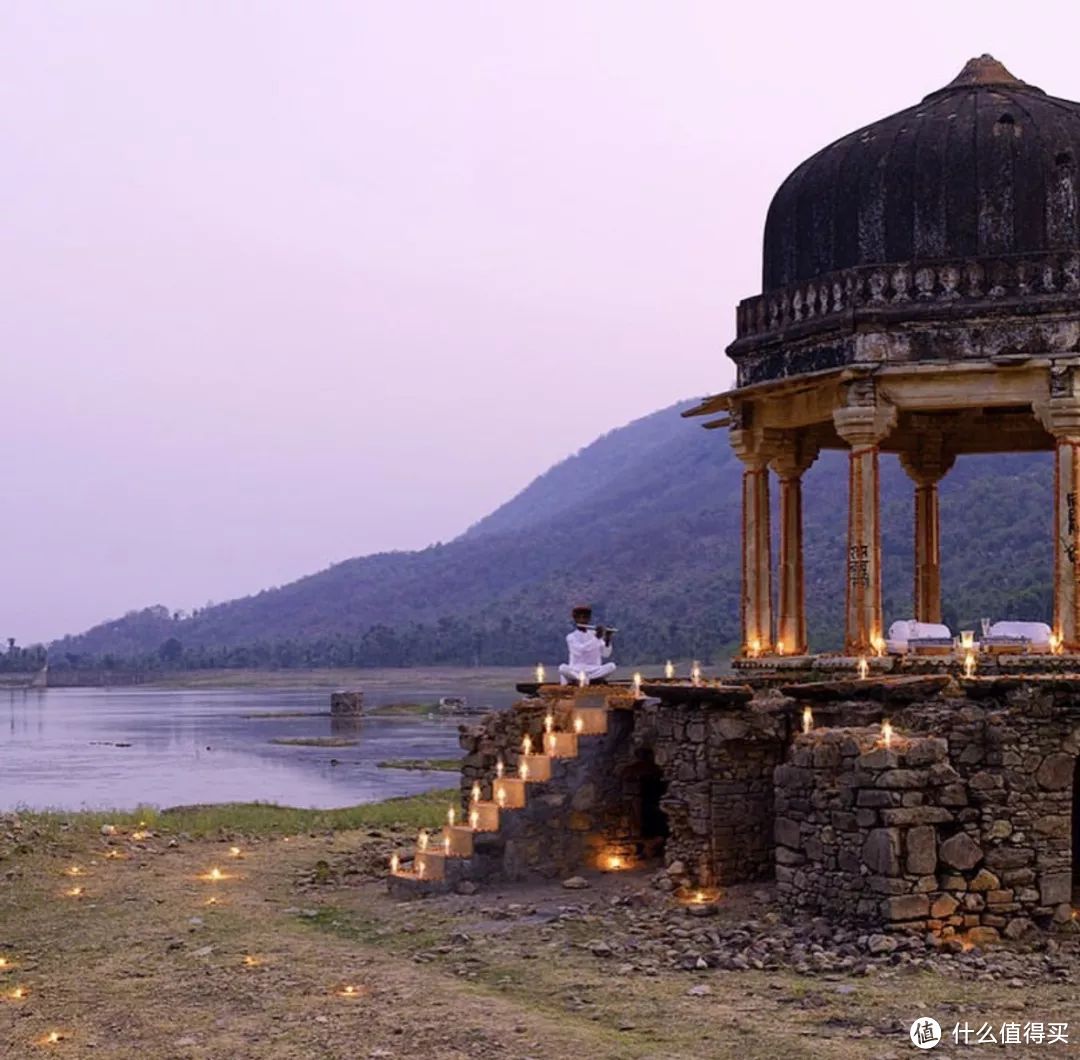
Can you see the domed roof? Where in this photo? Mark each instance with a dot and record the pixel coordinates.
(986, 166)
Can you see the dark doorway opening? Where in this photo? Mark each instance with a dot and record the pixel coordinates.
(645, 788)
(1076, 832)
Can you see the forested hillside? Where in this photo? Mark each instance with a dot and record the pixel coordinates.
(644, 523)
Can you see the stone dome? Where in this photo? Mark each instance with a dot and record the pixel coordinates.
(982, 168)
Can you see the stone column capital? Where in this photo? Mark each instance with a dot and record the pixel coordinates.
(1061, 416)
(790, 452)
(749, 448)
(864, 425)
(930, 460)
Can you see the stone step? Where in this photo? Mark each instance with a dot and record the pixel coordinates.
(590, 721)
(537, 768)
(487, 815)
(561, 744)
(429, 865)
(460, 838)
(513, 792)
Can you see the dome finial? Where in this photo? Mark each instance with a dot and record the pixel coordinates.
(984, 72)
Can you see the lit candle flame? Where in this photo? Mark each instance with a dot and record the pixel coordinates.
(754, 648)
(526, 745)
(53, 1037)
(251, 962)
(695, 673)
(395, 864)
(669, 669)
(877, 642)
(582, 679)
(74, 871)
(539, 673)
(450, 815)
(422, 841)
(349, 991)
(216, 874)
(864, 667)
(579, 724)
(779, 647)
(419, 870)
(549, 743)
(1055, 643)
(500, 796)
(446, 844)
(4, 962)
(499, 768)
(969, 664)
(967, 639)
(886, 732)
(637, 684)
(615, 862)
(114, 855)
(74, 892)
(474, 820)
(140, 836)
(807, 719)
(523, 769)
(19, 993)
(549, 722)
(476, 791)
(235, 852)
(699, 896)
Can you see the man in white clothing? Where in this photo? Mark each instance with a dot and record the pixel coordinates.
(588, 647)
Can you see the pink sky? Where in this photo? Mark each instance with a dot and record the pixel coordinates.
(285, 283)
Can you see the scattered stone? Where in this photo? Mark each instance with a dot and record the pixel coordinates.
(576, 883)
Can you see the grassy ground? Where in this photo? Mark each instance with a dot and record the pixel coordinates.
(446, 765)
(141, 967)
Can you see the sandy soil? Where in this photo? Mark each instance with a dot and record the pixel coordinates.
(140, 966)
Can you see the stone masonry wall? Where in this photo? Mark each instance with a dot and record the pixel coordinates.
(718, 756)
(962, 825)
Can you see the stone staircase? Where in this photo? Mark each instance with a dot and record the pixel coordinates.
(550, 771)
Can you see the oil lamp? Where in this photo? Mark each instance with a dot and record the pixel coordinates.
(539, 673)
(669, 669)
(807, 719)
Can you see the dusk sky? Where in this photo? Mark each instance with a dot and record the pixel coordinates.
(285, 283)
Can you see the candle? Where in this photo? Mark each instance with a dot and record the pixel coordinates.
(419, 870)
(450, 814)
(19, 993)
(251, 962)
(348, 991)
(446, 845)
(886, 732)
(235, 852)
(969, 664)
(74, 871)
(754, 648)
(114, 855)
(695, 673)
(864, 667)
(807, 719)
(582, 679)
(140, 835)
(877, 642)
(500, 796)
(615, 862)
(74, 892)
(539, 673)
(1055, 643)
(4, 963)
(499, 768)
(523, 769)
(395, 864)
(779, 649)
(549, 722)
(967, 639)
(669, 669)
(422, 840)
(474, 820)
(549, 743)
(476, 791)
(637, 684)
(526, 745)
(579, 724)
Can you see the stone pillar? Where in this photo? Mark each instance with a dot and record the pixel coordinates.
(863, 423)
(926, 466)
(756, 599)
(793, 457)
(1063, 422)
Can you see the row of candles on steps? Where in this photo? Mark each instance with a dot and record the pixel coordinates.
(886, 727)
(669, 674)
(423, 839)
(967, 646)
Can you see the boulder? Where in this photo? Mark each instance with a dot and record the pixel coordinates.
(961, 852)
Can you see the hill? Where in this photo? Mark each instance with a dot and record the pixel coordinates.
(644, 523)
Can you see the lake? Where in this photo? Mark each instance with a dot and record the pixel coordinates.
(93, 748)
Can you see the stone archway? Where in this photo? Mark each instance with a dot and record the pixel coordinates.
(644, 787)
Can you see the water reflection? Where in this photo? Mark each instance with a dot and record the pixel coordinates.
(78, 748)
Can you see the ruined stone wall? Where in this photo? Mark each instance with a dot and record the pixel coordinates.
(718, 756)
(963, 824)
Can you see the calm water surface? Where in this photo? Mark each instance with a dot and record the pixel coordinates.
(59, 748)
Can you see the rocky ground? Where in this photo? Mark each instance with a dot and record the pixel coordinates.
(139, 965)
